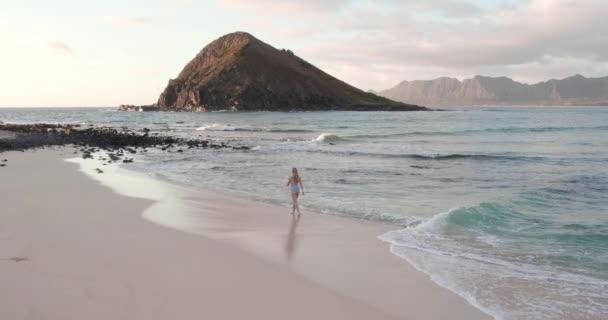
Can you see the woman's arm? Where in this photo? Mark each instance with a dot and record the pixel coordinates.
(302, 186)
(288, 181)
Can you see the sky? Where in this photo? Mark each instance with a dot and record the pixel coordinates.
(106, 53)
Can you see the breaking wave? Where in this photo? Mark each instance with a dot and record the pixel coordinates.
(479, 131)
(475, 253)
(330, 138)
(228, 127)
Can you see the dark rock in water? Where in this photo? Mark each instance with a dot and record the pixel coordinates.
(127, 160)
(2, 165)
(99, 170)
(238, 72)
(5, 160)
(419, 167)
(180, 150)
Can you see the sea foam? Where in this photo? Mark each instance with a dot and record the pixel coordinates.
(330, 138)
(217, 127)
(505, 288)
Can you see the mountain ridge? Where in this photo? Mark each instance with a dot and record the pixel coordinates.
(484, 90)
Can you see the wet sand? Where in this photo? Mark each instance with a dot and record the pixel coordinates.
(72, 248)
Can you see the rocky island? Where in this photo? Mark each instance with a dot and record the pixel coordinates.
(238, 72)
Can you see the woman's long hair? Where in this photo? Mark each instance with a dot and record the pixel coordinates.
(295, 175)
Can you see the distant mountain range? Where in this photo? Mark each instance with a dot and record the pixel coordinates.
(481, 90)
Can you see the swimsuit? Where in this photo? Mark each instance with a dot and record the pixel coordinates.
(295, 188)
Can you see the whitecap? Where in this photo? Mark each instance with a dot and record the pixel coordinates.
(217, 127)
(329, 138)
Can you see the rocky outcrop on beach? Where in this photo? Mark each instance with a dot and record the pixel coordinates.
(480, 90)
(117, 144)
(238, 72)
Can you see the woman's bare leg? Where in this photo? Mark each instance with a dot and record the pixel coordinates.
(297, 205)
(294, 202)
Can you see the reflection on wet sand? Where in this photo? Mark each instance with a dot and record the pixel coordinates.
(290, 245)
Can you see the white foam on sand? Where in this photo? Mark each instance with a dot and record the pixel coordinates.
(168, 209)
(499, 287)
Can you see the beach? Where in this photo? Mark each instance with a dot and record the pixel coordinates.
(452, 160)
(75, 246)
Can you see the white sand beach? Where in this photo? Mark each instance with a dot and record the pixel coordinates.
(73, 248)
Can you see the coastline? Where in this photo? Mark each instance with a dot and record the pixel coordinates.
(249, 254)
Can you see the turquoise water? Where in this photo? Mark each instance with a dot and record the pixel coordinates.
(508, 207)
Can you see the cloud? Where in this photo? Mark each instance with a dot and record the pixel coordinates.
(128, 21)
(60, 47)
(523, 38)
(497, 37)
(272, 7)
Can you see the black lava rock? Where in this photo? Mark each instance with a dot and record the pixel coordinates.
(89, 140)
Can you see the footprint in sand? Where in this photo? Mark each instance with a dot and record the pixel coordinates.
(18, 259)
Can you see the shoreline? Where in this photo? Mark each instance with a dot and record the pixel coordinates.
(264, 232)
(341, 258)
(83, 252)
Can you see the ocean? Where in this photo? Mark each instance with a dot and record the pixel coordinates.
(506, 206)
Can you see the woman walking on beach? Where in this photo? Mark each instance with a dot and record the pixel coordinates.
(295, 185)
